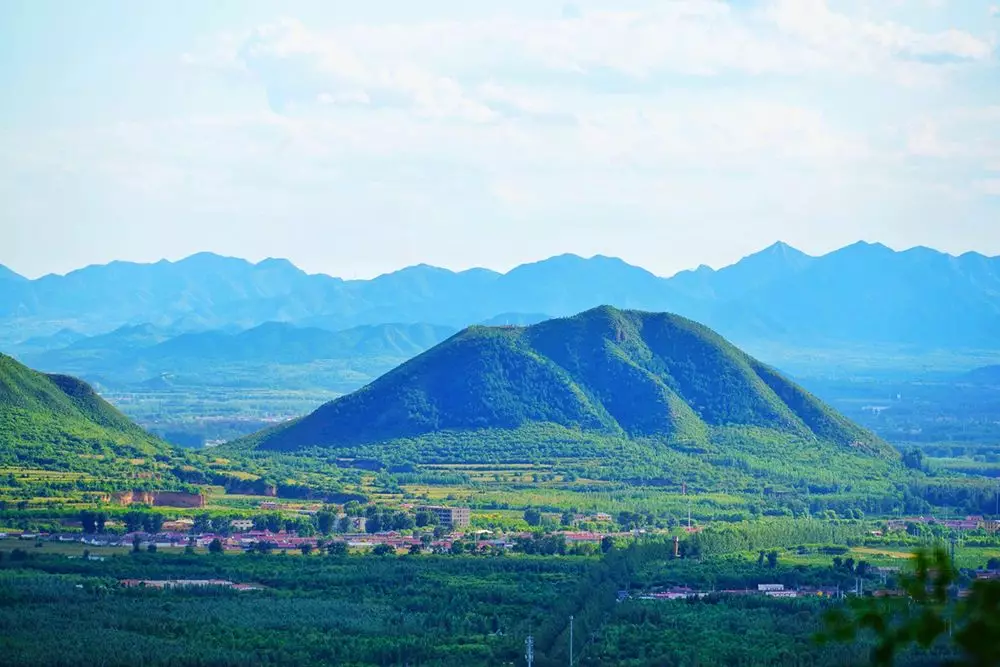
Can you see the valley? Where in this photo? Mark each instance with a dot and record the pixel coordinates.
(618, 458)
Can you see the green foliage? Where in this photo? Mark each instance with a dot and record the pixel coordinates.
(928, 613)
(602, 378)
(59, 422)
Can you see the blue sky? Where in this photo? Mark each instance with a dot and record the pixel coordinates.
(357, 138)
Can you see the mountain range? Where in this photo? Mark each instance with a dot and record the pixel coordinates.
(580, 387)
(859, 295)
(260, 356)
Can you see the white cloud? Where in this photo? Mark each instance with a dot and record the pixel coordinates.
(988, 186)
(688, 119)
(456, 68)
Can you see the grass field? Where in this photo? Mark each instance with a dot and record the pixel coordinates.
(965, 556)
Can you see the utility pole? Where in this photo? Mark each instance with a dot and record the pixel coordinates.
(529, 652)
(571, 640)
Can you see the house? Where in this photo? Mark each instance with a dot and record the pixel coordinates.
(241, 524)
(449, 517)
(781, 594)
(601, 516)
(583, 537)
(268, 505)
(178, 525)
(770, 588)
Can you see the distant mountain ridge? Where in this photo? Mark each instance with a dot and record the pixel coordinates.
(135, 354)
(861, 294)
(603, 376)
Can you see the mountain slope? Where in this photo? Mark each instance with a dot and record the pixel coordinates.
(624, 375)
(859, 295)
(987, 375)
(868, 293)
(7, 275)
(56, 420)
(266, 353)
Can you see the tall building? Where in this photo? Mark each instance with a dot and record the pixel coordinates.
(450, 517)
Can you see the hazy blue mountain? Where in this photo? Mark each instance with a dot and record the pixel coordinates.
(567, 284)
(201, 291)
(263, 355)
(279, 342)
(987, 375)
(778, 263)
(9, 276)
(96, 355)
(868, 293)
(58, 340)
(859, 295)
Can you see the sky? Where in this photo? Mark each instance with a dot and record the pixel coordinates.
(355, 138)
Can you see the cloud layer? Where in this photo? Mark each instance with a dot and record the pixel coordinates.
(669, 133)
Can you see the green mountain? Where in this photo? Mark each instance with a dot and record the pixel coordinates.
(605, 383)
(57, 421)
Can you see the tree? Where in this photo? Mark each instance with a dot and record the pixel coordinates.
(925, 614)
(566, 519)
(630, 520)
(215, 547)
(383, 550)
(89, 521)
(457, 548)
(607, 543)
(221, 526)
(136, 544)
(202, 524)
(337, 549)
(133, 521)
(425, 518)
(152, 522)
(416, 549)
(325, 522)
(760, 558)
(273, 522)
(993, 564)
(306, 548)
(532, 516)
(913, 458)
(772, 559)
(151, 547)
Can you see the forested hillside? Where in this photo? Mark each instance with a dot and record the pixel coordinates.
(58, 421)
(625, 390)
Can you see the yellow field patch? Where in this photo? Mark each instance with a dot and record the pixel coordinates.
(885, 553)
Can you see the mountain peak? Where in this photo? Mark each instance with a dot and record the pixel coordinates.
(276, 263)
(782, 250)
(602, 373)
